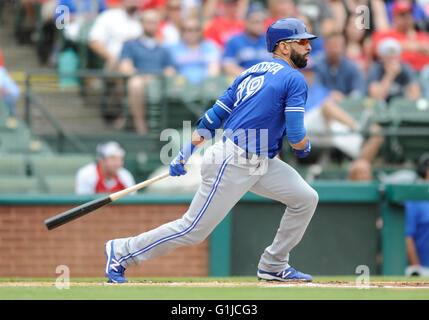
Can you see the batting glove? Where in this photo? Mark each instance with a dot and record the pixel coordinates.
(177, 166)
(302, 153)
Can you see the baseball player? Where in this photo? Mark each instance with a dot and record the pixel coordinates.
(263, 105)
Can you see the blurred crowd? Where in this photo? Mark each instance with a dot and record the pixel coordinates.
(365, 47)
(201, 38)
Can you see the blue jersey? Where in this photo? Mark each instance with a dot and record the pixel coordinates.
(246, 51)
(417, 226)
(258, 103)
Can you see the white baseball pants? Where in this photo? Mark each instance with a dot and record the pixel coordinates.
(226, 176)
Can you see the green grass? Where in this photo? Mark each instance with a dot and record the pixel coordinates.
(248, 292)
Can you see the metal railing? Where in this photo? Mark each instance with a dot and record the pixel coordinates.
(32, 101)
(62, 133)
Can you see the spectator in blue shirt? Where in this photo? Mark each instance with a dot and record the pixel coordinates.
(193, 57)
(9, 93)
(417, 223)
(343, 78)
(248, 48)
(142, 59)
(323, 115)
(336, 72)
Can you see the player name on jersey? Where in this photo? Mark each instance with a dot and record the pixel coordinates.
(272, 67)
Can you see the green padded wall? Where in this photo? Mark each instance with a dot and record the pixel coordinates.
(340, 237)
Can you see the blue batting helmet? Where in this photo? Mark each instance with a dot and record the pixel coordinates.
(285, 29)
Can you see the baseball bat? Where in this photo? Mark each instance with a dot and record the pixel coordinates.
(88, 207)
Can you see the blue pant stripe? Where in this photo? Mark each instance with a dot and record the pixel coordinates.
(194, 223)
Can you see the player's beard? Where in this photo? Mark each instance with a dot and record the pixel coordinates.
(298, 59)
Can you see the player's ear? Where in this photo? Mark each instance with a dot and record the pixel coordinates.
(284, 48)
(277, 48)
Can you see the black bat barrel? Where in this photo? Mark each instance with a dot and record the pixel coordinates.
(76, 212)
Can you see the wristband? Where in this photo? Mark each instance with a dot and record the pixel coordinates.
(187, 151)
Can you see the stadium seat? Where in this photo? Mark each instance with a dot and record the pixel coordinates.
(410, 113)
(21, 141)
(154, 105)
(173, 100)
(51, 165)
(16, 138)
(411, 122)
(154, 91)
(376, 110)
(19, 185)
(142, 164)
(8, 124)
(175, 88)
(333, 174)
(13, 165)
(4, 115)
(212, 89)
(390, 168)
(3, 108)
(87, 58)
(63, 184)
(383, 114)
(354, 107)
(33, 147)
(183, 102)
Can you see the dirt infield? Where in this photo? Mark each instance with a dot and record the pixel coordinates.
(314, 284)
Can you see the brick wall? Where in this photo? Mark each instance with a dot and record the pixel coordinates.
(28, 249)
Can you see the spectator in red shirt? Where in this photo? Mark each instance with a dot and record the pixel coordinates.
(113, 3)
(222, 28)
(106, 174)
(209, 9)
(414, 44)
(159, 5)
(145, 4)
(153, 4)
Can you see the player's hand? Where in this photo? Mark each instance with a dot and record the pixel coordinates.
(177, 166)
(302, 153)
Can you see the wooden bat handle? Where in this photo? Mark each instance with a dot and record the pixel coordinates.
(88, 207)
(117, 195)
